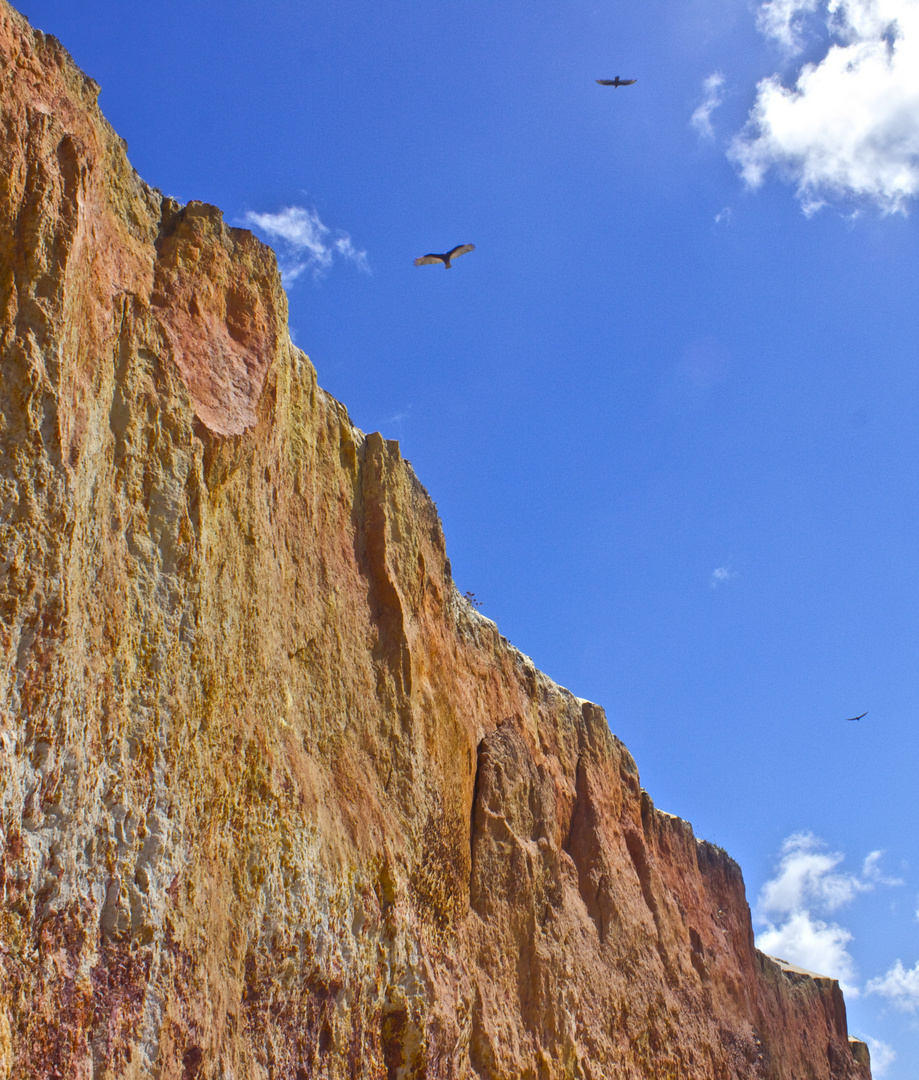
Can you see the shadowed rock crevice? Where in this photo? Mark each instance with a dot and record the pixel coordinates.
(583, 844)
(474, 811)
(375, 550)
(635, 843)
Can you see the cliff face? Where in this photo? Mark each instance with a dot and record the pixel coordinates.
(275, 801)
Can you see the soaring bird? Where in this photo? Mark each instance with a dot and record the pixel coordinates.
(851, 718)
(616, 82)
(460, 249)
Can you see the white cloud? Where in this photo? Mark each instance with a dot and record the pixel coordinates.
(849, 127)
(305, 242)
(813, 944)
(782, 20)
(882, 1056)
(807, 878)
(857, 19)
(871, 871)
(722, 575)
(807, 885)
(899, 985)
(712, 97)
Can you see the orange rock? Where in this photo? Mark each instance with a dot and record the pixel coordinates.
(276, 801)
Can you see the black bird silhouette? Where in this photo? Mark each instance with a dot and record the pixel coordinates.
(460, 249)
(851, 718)
(616, 82)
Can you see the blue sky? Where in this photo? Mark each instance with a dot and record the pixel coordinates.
(667, 408)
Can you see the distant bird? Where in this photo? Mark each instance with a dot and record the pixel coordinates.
(851, 718)
(616, 82)
(461, 249)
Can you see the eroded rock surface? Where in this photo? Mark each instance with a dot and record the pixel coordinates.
(275, 801)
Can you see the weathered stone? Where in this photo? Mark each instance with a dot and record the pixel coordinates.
(276, 801)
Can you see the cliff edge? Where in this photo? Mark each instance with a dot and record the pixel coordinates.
(275, 801)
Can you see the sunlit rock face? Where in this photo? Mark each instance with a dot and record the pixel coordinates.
(275, 801)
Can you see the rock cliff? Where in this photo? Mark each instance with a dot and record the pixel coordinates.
(275, 801)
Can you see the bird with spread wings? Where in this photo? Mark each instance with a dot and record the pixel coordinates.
(460, 249)
(616, 82)
(851, 718)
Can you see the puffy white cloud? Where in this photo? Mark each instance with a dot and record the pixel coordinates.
(849, 127)
(722, 575)
(712, 97)
(813, 944)
(305, 242)
(806, 878)
(899, 985)
(853, 20)
(807, 885)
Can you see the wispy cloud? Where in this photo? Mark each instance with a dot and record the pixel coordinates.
(305, 243)
(723, 575)
(849, 126)
(783, 21)
(882, 1056)
(712, 97)
(808, 885)
(871, 870)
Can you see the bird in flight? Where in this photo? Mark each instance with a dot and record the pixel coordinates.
(460, 249)
(616, 82)
(851, 718)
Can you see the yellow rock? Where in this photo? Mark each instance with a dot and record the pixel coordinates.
(275, 800)
(6, 1047)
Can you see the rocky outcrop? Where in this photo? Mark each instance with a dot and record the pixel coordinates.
(275, 801)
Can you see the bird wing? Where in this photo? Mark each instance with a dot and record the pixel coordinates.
(423, 260)
(627, 82)
(607, 82)
(865, 713)
(460, 249)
